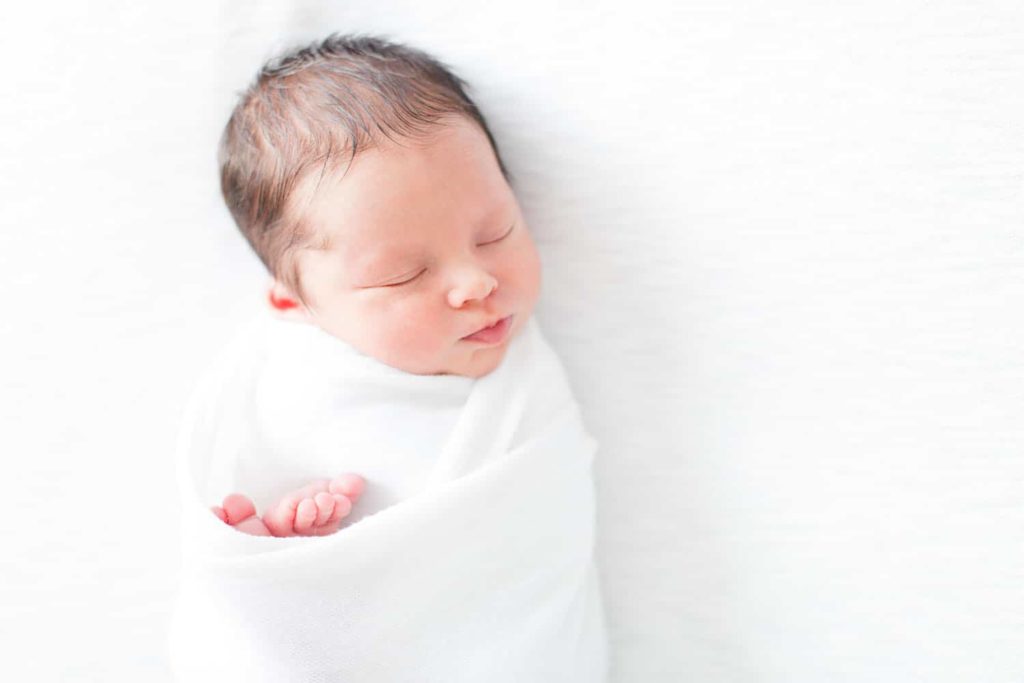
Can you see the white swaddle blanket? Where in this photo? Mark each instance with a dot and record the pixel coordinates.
(473, 563)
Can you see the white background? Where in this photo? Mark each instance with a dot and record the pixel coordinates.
(783, 257)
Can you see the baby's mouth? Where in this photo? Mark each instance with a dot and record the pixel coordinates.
(494, 334)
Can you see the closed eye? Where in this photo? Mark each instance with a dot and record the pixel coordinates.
(406, 281)
(500, 238)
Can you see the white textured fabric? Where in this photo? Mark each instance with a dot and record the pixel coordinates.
(476, 567)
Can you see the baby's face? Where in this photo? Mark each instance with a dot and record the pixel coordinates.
(426, 246)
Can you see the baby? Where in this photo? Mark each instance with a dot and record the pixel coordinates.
(369, 185)
(399, 341)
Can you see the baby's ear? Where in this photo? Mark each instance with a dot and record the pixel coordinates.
(285, 304)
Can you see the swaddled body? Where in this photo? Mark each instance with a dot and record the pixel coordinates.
(484, 573)
(404, 354)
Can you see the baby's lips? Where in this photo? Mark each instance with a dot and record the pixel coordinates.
(349, 485)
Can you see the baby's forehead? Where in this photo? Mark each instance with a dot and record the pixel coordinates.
(391, 188)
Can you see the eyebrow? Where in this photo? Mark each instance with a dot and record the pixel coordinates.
(380, 264)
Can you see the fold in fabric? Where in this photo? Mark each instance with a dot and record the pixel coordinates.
(484, 572)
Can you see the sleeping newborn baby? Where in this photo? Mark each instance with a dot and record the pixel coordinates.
(399, 348)
(370, 186)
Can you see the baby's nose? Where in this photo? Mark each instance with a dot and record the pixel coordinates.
(476, 285)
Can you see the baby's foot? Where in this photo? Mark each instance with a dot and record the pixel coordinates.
(314, 510)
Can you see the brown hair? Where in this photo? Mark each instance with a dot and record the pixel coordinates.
(313, 109)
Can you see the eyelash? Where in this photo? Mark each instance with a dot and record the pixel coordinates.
(405, 282)
(500, 238)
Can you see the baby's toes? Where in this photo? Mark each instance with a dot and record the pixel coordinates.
(280, 518)
(339, 506)
(306, 515)
(325, 505)
(342, 506)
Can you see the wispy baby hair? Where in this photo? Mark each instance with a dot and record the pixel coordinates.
(312, 110)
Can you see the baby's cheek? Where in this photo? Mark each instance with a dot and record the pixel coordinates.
(528, 273)
(416, 330)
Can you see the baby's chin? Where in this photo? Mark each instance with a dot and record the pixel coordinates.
(485, 361)
(477, 363)
(471, 360)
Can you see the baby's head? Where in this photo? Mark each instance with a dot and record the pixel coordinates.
(369, 185)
